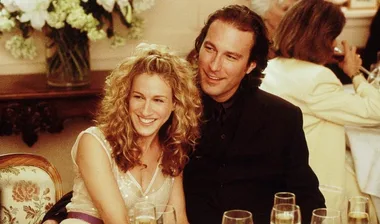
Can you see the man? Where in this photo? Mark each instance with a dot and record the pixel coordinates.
(252, 143)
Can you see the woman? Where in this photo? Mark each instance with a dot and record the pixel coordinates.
(304, 42)
(146, 125)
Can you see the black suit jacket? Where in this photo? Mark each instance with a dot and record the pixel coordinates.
(267, 154)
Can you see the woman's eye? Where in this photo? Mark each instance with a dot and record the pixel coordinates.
(137, 97)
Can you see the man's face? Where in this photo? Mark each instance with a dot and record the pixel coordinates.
(223, 60)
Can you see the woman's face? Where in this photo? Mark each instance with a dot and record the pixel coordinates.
(150, 104)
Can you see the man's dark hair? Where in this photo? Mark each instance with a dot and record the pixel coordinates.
(246, 20)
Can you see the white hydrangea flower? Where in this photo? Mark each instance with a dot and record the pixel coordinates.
(95, 34)
(77, 18)
(66, 5)
(91, 23)
(67, 12)
(136, 31)
(6, 22)
(56, 19)
(117, 41)
(34, 11)
(21, 48)
(29, 50)
(107, 4)
(142, 5)
(10, 5)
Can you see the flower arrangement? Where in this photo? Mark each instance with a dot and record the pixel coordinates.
(68, 24)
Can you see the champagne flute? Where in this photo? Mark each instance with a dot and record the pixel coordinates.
(165, 214)
(358, 210)
(237, 217)
(144, 213)
(326, 216)
(285, 214)
(284, 198)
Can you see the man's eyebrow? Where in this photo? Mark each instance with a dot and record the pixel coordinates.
(237, 55)
(209, 43)
(228, 52)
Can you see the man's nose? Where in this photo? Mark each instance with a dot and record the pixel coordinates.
(216, 63)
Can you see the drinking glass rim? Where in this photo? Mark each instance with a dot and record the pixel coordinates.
(327, 210)
(291, 195)
(144, 204)
(285, 192)
(248, 213)
(366, 199)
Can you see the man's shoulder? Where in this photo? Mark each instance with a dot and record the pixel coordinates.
(270, 100)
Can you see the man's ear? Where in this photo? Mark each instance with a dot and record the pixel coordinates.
(250, 67)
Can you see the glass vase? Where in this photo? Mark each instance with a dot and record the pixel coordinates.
(67, 58)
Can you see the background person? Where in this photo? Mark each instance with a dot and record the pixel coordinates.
(304, 42)
(373, 44)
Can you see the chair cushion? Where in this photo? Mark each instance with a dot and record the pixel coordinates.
(27, 193)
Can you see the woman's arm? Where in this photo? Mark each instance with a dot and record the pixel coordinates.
(177, 199)
(96, 171)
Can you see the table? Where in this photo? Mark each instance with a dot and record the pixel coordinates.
(29, 106)
(365, 150)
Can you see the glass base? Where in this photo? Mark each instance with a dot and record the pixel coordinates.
(68, 84)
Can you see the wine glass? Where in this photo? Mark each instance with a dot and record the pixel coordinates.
(144, 213)
(284, 198)
(237, 217)
(285, 214)
(326, 216)
(358, 210)
(339, 56)
(165, 214)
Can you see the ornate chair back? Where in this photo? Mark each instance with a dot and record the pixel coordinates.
(29, 186)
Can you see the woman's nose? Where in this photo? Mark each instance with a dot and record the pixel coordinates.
(146, 108)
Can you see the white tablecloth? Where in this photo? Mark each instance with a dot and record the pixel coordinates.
(365, 149)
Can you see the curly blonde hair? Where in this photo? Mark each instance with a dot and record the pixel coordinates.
(178, 135)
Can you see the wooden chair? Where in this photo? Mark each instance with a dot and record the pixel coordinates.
(29, 186)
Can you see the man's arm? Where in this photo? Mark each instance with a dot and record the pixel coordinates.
(58, 212)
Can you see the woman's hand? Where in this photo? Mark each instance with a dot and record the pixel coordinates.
(352, 61)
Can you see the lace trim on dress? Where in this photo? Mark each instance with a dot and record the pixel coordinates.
(144, 193)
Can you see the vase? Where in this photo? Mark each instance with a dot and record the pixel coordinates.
(67, 58)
